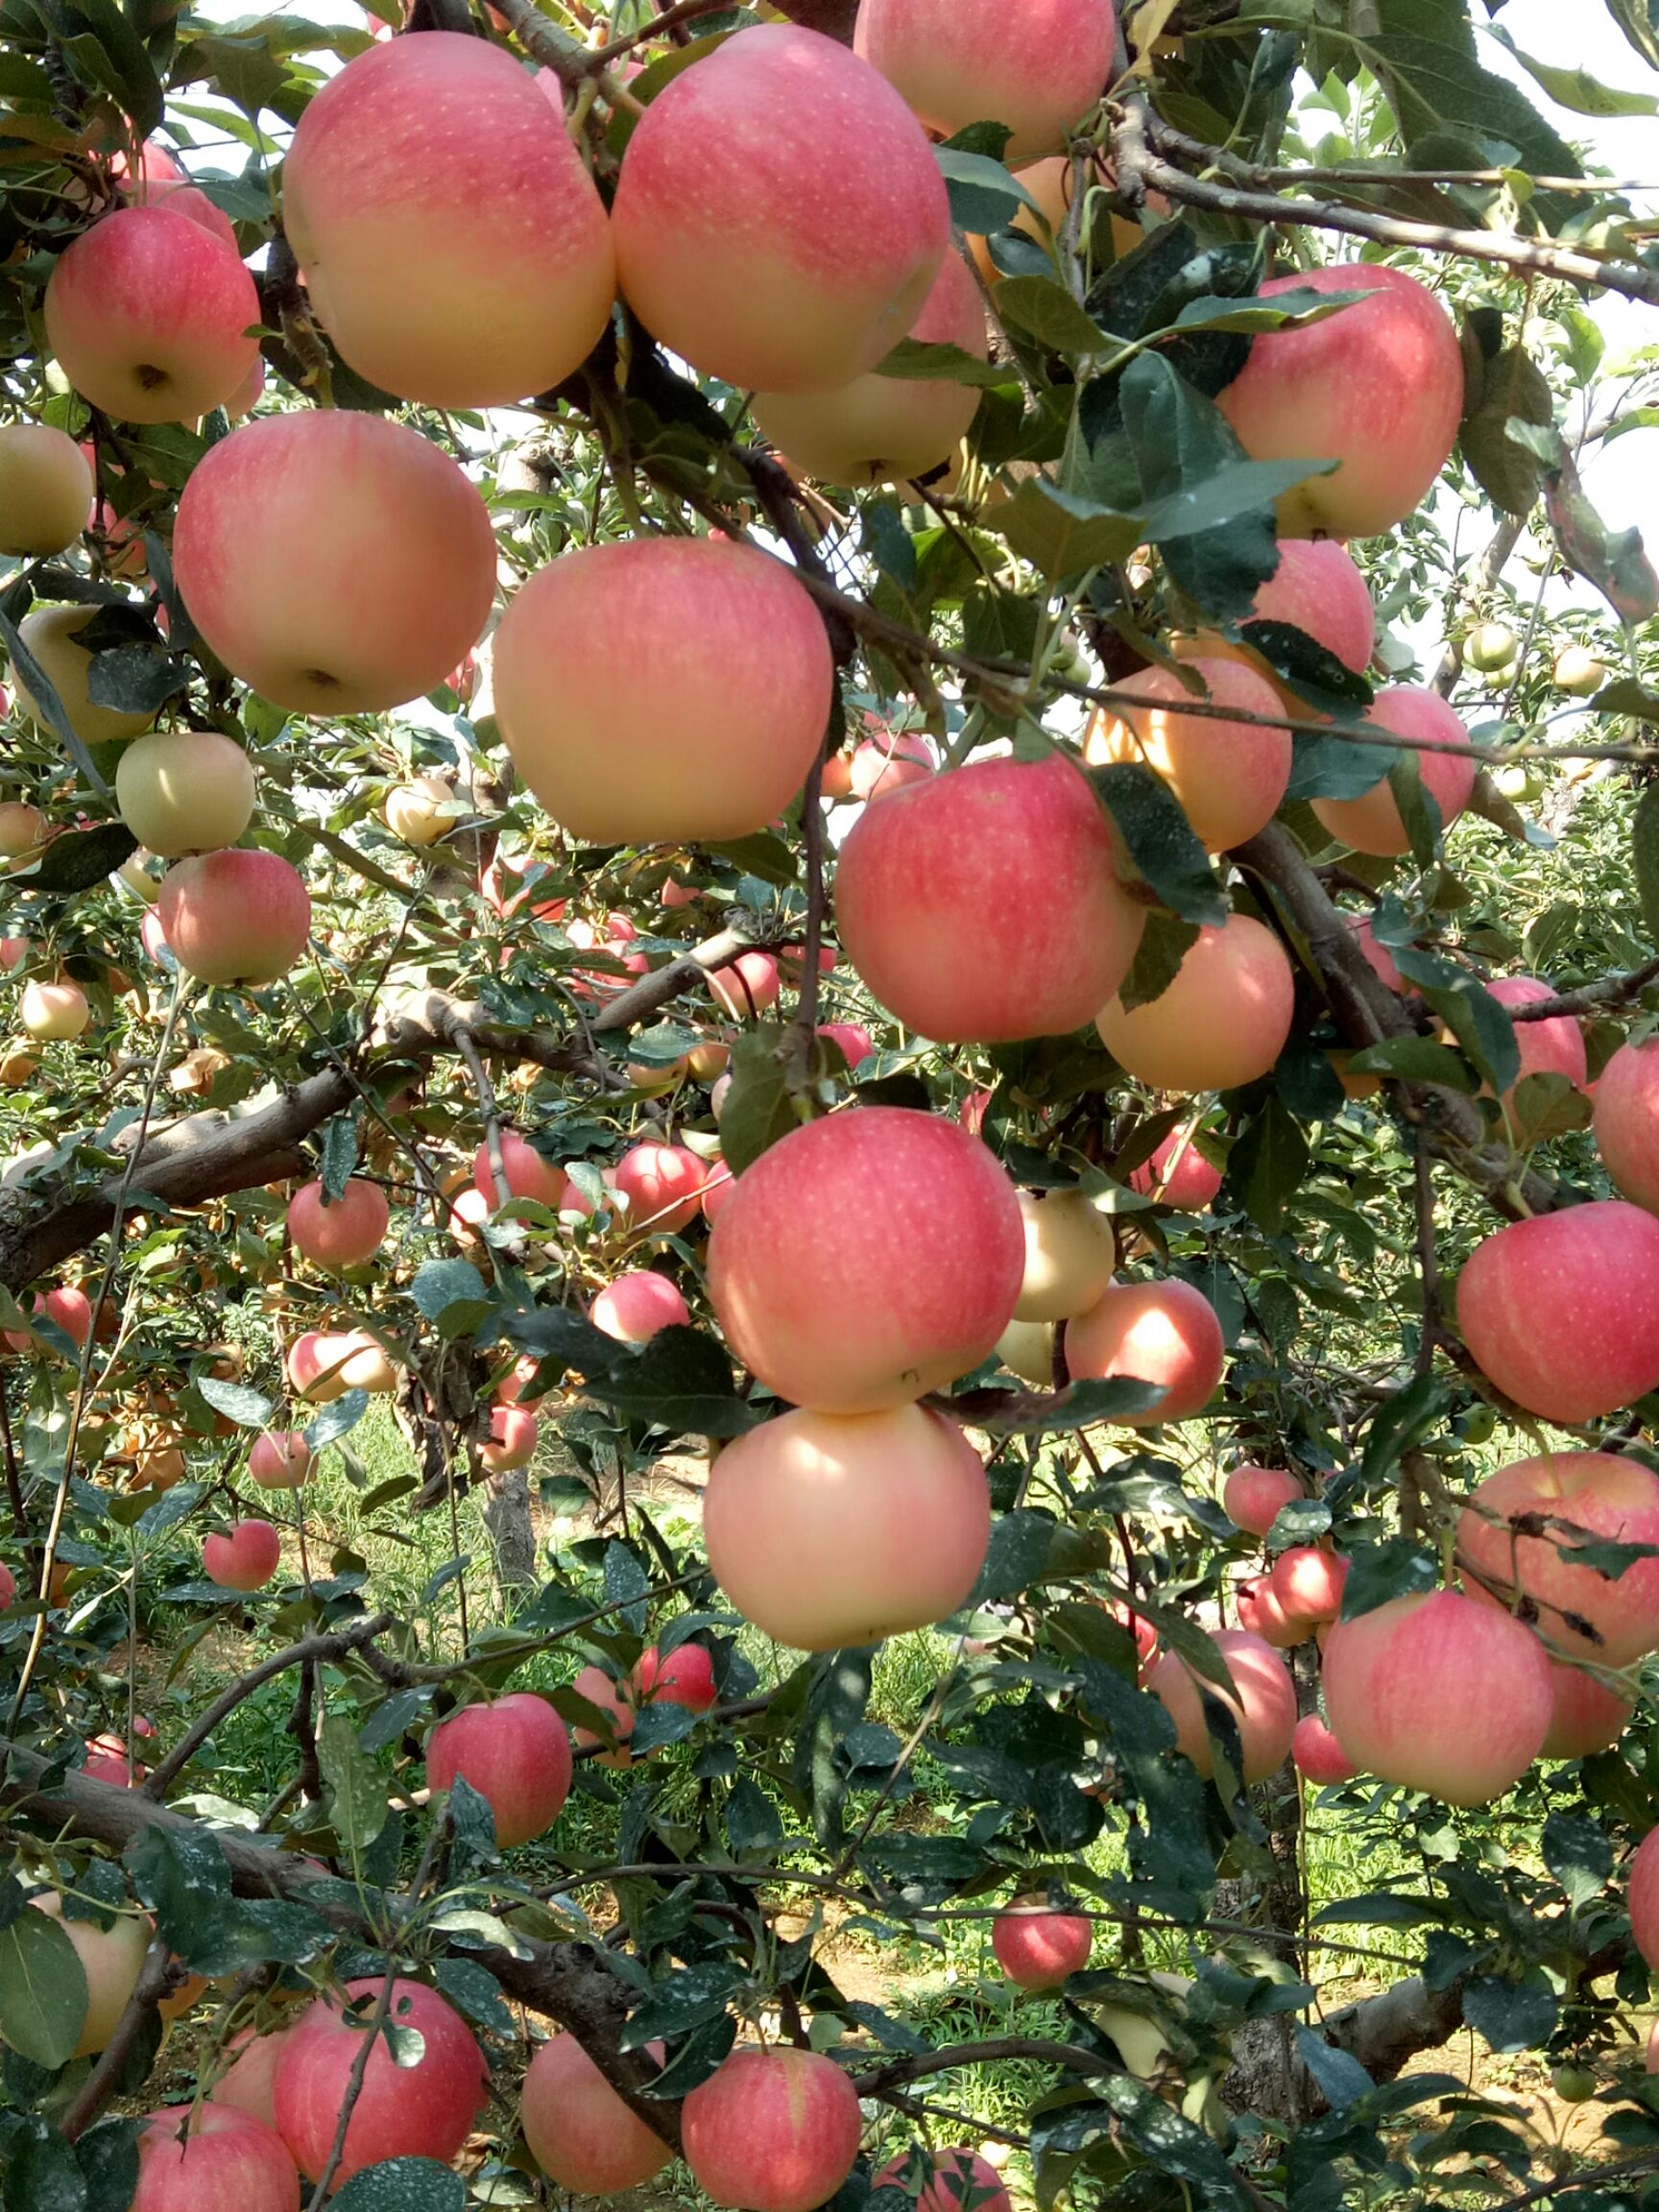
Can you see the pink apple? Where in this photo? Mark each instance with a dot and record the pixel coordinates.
(515, 1753)
(371, 571)
(8, 1588)
(513, 1434)
(194, 2156)
(240, 916)
(747, 986)
(686, 1677)
(662, 1185)
(1164, 1332)
(1228, 776)
(1377, 387)
(1561, 1312)
(854, 1041)
(1587, 1716)
(774, 2131)
(1260, 1613)
(633, 1306)
(1627, 1121)
(610, 1700)
(420, 2111)
(718, 1189)
(246, 2085)
(982, 905)
(1222, 1023)
(110, 1761)
(829, 1531)
(1263, 1702)
(1039, 1948)
(889, 763)
(430, 171)
(955, 2179)
(1319, 1758)
(1439, 1694)
(1252, 1498)
(729, 248)
(1372, 823)
(1584, 1497)
(1036, 66)
(580, 2132)
(245, 1559)
(708, 731)
(148, 314)
(1644, 1897)
(530, 1175)
(281, 1459)
(1308, 1583)
(867, 1258)
(342, 1232)
(1179, 1174)
(1377, 957)
(1317, 589)
(1553, 1047)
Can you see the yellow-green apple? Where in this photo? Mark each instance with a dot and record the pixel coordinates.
(1026, 1349)
(1263, 1703)
(22, 829)
(661, 1185)
(1561, 1312)
(339, 1232)
(983, 906)
(415, 811)
(1491, 647)
(1037, 1947)
(213, 2153)
(774, 2131)
(431, 171)
(1222, 1022)
(779, 216)
(1229, 775)
(1627, 1121)
(281, 1459)
(420, 2110)
(240, 916)
(149, 315)
(245, 1558)
(1317, 589)
(45, 490)
(51, 634)
(867, 1258)
(1252, 1498)
(887, 429)
(637, 1303)
(1071, 1256)
(1179, 1174)
(1578, 673)
(954, 2179)
(708, 730)
(829, 1531)
(371, 574)
(53, 1011)
(684, 1676)
(1437, 1692)
(1372, 823)
(111, 1959)
(1573, 1498)
(581, 2135)
(183, 791)
(1164, 1332)
(514, 1431)
(515, 1753)
(1319, 1758)
(1036, 66)
(1377, 387)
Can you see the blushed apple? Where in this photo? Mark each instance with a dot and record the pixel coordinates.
(580, 2132)
(342, 1231)
(1372, 823)
(281, 1459)
(515, 1753)
(635, 1304)
(1164, 1332)
(1627, 1121)
(240, 916)
(53, 1011)
(245, 1559)
(1036, 66)
(1263, 1703)
(773, 2130)
(1228, 776)
(1222, 1022)
(1039, 1948)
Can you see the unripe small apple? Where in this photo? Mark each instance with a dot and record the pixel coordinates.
(45, 490)
(1491, 645)
(1578, 673)
(1026, 1349)
(183, 791)
(112, 1958)
(413, 811)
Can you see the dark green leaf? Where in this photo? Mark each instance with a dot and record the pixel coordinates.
(759, 1109)
(337, 1419)
(338, 1156)
(450, 1289)
(43, 1993)
(1577, 1853)
(1511, 388)
(1042, 306)
(134, 679)
(1418, 1060)
(1062, 535)
(353, 1787)
(1338, 2073)
(1266, 1166)
(983, 196)
(1396, 1567)
(108, 2162)
(1511, 2015)
(682, 1380)
(403, 2185)
(1160, 841)
(1403, 1422)
(1166, 941)
(688, 1998)
(81, 858)
(41, 2172)
(752, 1821)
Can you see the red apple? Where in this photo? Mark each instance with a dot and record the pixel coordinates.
(637, 1303)
(8, 1588)
(1308, 1583)
(1229, 777)
(343, 1232)
(148, 314)
(1179, 1174)
(1627, 1121)
(515, 1753)
(854, 1041)
(245, 1559)
(1263, 1702)
(1587, 1716)
(45, 490)
(1644, 1897)
(982, 905)
(1037, 1947)
(1164, 1332)
(1372, 823)
(1318, 1755)
(281, 1459)
(1036, 66)
(433, 172)
(718, 1189)
(371, 574)
(684, 1677)
(420, 2111)
(889, 763)
(1252, 1498)
(513, 1434)
(1223, 1021)
(829, 1531)
(197, 2158)
(241, 916)
(957, 2178)
(109, 1760)
(1592, 1496)
(1561, 1312)
(773, 2130)
(867, 1258)
(1438, 1694)
(1553, 1047)
(246, 2085)
(530, 1175)
(747, 986)
(708, 730)
(1377, 957)
(1317, 589)
(580, 2132)
(729, 247)
(1377, 387)
(1260, 1613)
(662, 1185)
(609, 1697)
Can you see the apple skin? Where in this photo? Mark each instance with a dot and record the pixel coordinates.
(1608, 1497)
(889, 763)
(1026, 1349)
(829, 1531)
(637, 1303)
(45, 490)
(887, 429)
(422, 176)
(774, 2131)
(867, 1258)
(580, 2132)
(1377, 387)
(1260, 1613)
(22, 827)
(340, 1233)
(611, 1699)
(982, 905)
(662, 1185)
(1644, 1897)
(686, 1677)
(1587, 1717)
(1377, 957)
(49, 633)
(1371, 823)
(420, 2111)
(704, 734)
(1561, 1312)
(183, 791)
(1071, 1256)
(245, 1559)
(1627, 1121)
(240, 916)
(1223, 1021)
(514, 1434)
(8, 1588)
(1551, 1046)
(1319, 1758)
(148, 314)
(1227, 777)
(530, 1175)
(412, 812)
(53, 1011)
(1438, 1694)
(246, 2084)
(198, 2159)
(281, 1459)
(1036, 66)
(1317, 589)
(516, 1752)
(1189, 1184)
(369, 575)
(1038, 1948)
(746, 987)
(1263, 1703)
(112, 1958)
(779, 217)
(1252, 1498)
(1164, 1332)
(956, 2177)
(1308, 1583)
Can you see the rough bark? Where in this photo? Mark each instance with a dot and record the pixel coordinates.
(512, 1531)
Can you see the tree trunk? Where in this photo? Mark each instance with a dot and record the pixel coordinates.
(1266, 2077)
(511, 1535)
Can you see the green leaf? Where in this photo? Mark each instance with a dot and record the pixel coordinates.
(134, 679)
(1640, 23)
(751, 1820)
(682, 1380)
(1511, 388)
(1481, 1024)
(339, 1156)
(1042, 307)
(1418, 1060)
(449, 1292)
(1396, 1567)
(1164, 943)
(1160, 840)
(79, 858)
(1401, 1421)
(1266, 1166)
(1062, 535)
(1338, 2073)
(109, 2161)
(403, 2185)
(1511, 2015)
(983, 196)
(1172, 2144)
(1577, 1853)
(354, 1797)
(760, 1108)
(915, 361)
(247, 1408)
(42, 2174)
(1644, 856)
(337, 1419)
(43, 1994)
(1576, 88)
(685, 2001)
